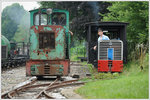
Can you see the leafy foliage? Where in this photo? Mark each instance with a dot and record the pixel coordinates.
(22, 33)
(11, 17)
(78, 50)
(136, 13)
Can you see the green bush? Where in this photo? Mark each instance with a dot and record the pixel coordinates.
(106, 75)
(78, 50)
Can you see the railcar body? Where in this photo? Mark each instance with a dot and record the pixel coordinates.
(110, 56)
(5, 49)
(12, 53)
(49, 43)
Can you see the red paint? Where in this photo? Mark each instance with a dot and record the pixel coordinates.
(46, 50)
(34, 28)
(64, 62)
(117, 66)
(34, 51)
(28, 68)
(46, 55)
(41, 28)
(103, 66)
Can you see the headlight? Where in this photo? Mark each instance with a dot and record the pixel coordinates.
(49, 11)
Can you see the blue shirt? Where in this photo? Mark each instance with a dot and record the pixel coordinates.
(104, 37)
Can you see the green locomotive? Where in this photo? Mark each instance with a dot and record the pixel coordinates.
(49, 43)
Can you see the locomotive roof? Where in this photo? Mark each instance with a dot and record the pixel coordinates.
(46, 8)
(99, 23)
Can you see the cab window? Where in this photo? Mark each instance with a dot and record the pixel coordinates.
(58, 19)
(42, 21)
(36, 19)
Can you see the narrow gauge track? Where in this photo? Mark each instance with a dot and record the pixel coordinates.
(31, 90)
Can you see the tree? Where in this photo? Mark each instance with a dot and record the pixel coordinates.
(136, 13)
(22, 33)
(80, 13)
(11, 17)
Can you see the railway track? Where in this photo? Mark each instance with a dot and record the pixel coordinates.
(43, 88)
(31, 89)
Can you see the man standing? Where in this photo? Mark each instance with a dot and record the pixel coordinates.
(101, 37)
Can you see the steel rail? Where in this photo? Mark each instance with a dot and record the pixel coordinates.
(50, 87)
(64, 84)
(39, 85)
(9, 96)
(9, 93)
(43, 91)
(46, 84)
(49, 97)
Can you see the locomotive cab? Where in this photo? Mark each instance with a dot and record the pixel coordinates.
(116, 31)
(49, 43)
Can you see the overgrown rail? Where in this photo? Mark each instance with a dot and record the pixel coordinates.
(40, 90)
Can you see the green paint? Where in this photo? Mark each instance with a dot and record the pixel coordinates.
(58, 52)
(47, 29)
(32, 12)
(34, 70)
(62, 39)
(59, 70)
(5, 42)
(34, 40)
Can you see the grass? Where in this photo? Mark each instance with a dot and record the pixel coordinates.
(132, 83)
(125, 87)
(77, 51)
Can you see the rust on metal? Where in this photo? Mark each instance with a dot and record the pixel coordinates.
(46, 84)
(10, 93)
(47, 51)
(49, 87)
(9, 96)
(63, 85)
(49, 97)
(44, 91)
(48, 67)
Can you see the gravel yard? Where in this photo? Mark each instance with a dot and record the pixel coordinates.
(76, 69)
(12, 77)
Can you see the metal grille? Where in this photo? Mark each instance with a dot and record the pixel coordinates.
(46, 69)
(117, 46)
(4, 52)
(46, 40)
